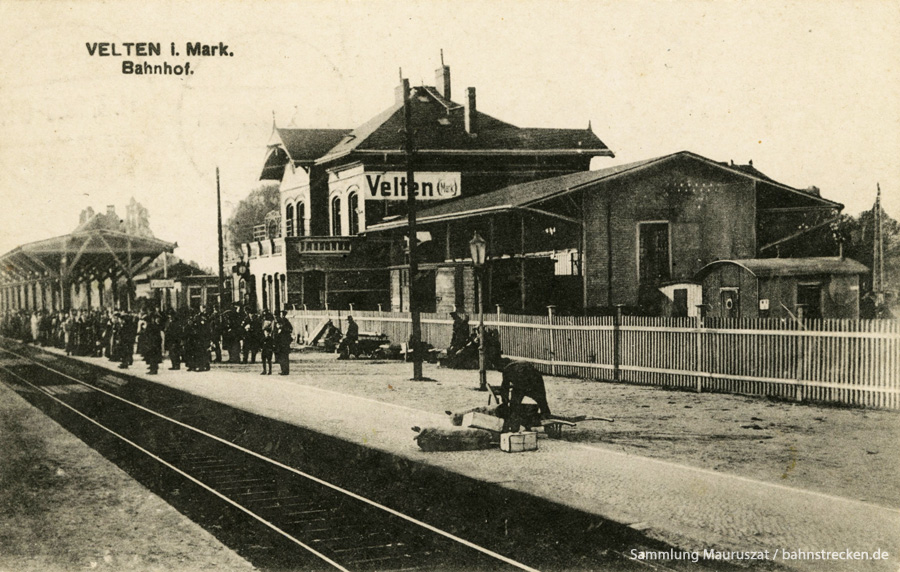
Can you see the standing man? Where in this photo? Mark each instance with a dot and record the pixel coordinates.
(350, 342)
(129, 331)
(213, 328)
(284, 335)
(251, 331)
(151, 343)
(268, 342)
(175, 339)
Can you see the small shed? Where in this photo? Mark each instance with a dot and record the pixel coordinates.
(822, 287)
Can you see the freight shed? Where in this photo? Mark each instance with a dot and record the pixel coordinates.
(822, 287)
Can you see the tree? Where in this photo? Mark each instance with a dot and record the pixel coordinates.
(250, 212)
(859, 244)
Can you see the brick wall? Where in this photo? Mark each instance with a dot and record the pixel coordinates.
(711, 216)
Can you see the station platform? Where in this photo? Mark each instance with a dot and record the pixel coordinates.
(691, 508)
(64, 507)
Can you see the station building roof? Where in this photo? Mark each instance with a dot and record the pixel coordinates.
(439, 126)
(534, 192)
(299, 146)
(440, 129)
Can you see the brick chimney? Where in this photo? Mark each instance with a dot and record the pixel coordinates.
(471, 118)
(442, 81)
(398, 94)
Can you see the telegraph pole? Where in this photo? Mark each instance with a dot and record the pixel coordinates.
(415, 339)
(221, 244)
(878, 256)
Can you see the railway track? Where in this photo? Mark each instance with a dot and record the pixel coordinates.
(272, 513)
(330, 527)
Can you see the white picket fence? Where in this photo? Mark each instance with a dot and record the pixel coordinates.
(855, 362)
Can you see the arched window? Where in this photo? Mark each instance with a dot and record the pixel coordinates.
(289, 220)
(273, 224)
(336, 216)
(353, 211)
(301, 219)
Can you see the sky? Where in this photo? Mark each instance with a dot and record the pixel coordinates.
(810, 91)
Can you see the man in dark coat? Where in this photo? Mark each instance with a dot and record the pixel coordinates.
(284, 335)
(521, 380)
(461, 332)
(214, 328)
(251, 332)
(267, 343)
(203, 338)
(151, 343)
(129, 331)
(231, 338)
(175, 339)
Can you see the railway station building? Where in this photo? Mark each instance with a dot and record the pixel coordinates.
(337, 183)
(92, 267)
(557, 233)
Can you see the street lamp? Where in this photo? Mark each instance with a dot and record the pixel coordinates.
(478, 248)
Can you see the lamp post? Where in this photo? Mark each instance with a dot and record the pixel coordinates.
(478, 248)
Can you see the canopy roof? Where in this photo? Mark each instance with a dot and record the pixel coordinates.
(97, 253)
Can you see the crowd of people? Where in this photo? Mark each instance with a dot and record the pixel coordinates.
(192, 338)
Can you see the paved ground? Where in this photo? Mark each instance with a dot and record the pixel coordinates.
(64, 507)
(730, 473)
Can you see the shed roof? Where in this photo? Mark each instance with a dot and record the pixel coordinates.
(533, 192)
(771, 267)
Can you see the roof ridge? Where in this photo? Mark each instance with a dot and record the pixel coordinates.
(372, 125)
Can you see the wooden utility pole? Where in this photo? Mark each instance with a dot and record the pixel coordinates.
(221, 243)
(415, 339)
(878, 256)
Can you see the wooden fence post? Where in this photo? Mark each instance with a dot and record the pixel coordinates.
(698, 364)
(800, 349)
(552, 336)
(617, 342)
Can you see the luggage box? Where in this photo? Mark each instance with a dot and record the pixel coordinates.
(518, 442)
(482, 421)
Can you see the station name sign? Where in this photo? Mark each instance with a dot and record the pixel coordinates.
(428, 186)
(162, 283)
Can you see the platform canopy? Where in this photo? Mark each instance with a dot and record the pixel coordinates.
(82, 256)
